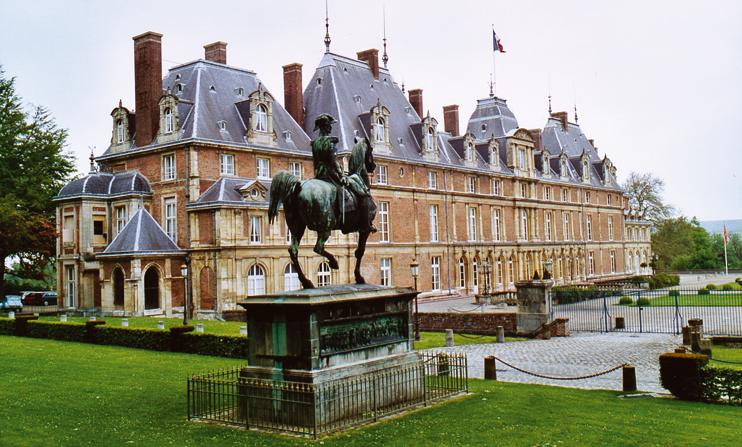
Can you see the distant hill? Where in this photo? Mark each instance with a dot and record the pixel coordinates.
(717, 226)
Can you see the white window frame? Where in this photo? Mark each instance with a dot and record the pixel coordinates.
(589, 227)
(120, 131)
(384, 222)
(521, 159)
(168, 120)
(261, 118)
(547, 193)
(472, 184)
(324, 274)
(256, 229)
(567, 227)
(472, 216)
(379, 130)
(475, 275)
(263, 168)
(547, 224)
(587, 196)
(496, 187)
(168, 167)
(610, 228)
(290, 278)
(385, 271)
(565, 195)
(295, 169)
(496, 231)
(434, 223)
(523, 190)
(382, 177)
(591, 262)
(462, 273)
(613, 261)
(435, 273)
(71, 286)
(121, 218)
(511, 271)
(226, 164)
(499, 272)
(169, 205)
(524, 225)
(256, 280)
(432, 180)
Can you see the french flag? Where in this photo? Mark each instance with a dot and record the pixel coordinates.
(496, 45)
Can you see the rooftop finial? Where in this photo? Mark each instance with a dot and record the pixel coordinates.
(327, 27)
(402, 86)
(93, 170)
(385, 58)
(492, 93)
(574, 92)
(575, 113)
(549, 104)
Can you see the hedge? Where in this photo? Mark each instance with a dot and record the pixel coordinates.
(178, 339)
(722, 384)
(681, 375)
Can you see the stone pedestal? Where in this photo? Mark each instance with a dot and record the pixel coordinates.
(533, 309)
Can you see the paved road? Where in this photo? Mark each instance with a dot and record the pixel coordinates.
(579, 354)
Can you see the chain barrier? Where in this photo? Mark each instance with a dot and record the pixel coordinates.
(472, 337)
(465, 311)
(562, 378)
(726, 361)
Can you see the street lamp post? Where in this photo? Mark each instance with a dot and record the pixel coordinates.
(184, 272)
(413, 269)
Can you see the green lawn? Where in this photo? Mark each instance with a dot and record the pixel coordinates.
(212, 327)
(67, 394)
(429, 340)
(726, 354)
(716, 298)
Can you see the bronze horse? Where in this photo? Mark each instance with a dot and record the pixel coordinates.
(314, 204)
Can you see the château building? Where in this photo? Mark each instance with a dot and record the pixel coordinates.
(184, 187)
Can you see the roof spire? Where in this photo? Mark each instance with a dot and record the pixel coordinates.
(385, 58)
(93, 169)
(574, 92)
(575, 113)
(327, 27)
(549, 104)
(492, 93)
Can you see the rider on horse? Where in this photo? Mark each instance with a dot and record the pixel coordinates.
(327, 168)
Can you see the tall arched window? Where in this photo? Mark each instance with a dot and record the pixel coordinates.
(290, 279)
(462, 273)
(255, 280)
(151, 289)
(324, 276)
(120, 131)
(430, 138)
(379, 130)
(261, 118)
(168, 120)
(118, 287)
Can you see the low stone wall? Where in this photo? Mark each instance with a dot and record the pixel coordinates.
(235, 315)
(470, 323)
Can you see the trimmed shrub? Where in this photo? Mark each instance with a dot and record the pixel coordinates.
(7, 326)
(625, 300)
(151, 339)
(673, 293)
(53, 330)
(727, 287)
(704, 291)
(681, 374)
(722, 384)
(711, 287)
(662, 280)
(574, 294)
(642, 301)
(230, 346)
(21, 326)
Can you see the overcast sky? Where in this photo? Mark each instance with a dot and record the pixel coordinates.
(657, 84)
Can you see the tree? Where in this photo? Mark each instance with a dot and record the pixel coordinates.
(645, 199)
(672, 243)
(33, 168)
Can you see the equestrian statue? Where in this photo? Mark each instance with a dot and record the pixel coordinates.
(333, 200)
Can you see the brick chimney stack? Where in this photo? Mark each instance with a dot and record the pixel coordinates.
(216, 52)
(292, 95)
(563, 117)
(451, 119)
(147, 85)
(416, 100)
(371, 57)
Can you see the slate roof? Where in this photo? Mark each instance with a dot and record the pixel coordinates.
(141, 235)
(211, 93)
(492, 113)
(226, 191)
(106, 185)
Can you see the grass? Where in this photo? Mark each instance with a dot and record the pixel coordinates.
(726, 354)
(70, 394)
(716, 298)
(429, 340)
(212, 327)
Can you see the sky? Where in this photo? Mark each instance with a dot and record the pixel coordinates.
(656, 83)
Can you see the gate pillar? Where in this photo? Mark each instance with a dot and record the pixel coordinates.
(533, 305)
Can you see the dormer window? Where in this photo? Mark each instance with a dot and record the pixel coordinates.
(429, 141)
(120, 137)
(260, 128)
(430, 137)
(379, 130)
(179, 88)
(222, 125)
(168, 120)
(169, 125)
(240, 91)
(261, 118)
(119, 131)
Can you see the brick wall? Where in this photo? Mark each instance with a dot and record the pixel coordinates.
(472, 323)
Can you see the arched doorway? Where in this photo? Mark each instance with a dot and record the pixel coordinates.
(118, 287)
(206, 289)
(151, 289)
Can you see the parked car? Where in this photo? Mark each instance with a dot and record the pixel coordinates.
(40, 298)
(11, 302)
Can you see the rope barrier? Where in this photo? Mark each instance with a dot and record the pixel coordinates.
(562, 378)
(472, 337)
(464, 311)
(726, 361)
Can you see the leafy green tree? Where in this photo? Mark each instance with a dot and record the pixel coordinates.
(673, 239)
(33, 167)
(645, 199)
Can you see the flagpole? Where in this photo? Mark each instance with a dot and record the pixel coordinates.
(726, 264)
(494, 67)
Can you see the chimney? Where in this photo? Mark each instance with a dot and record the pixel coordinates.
(371, 57)
(561, 116)
(147, 85)
(416, 100)
(292, 95)
(451, 119)
(216, 52)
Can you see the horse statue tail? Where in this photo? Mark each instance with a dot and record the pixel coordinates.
(284, 183)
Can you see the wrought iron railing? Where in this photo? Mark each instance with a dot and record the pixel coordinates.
(231, 398)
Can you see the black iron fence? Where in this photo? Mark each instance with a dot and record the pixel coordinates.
(660, 311)
(230, 398)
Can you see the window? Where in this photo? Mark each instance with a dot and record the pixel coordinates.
(435, 269)
(472, 223)
(70, 285)
(462, 273)
(295, 169)
(511, 271)
(589, 228)
(120, 131)
(631, 262)
(547, 224)
(613, 261)
(524, 225)
(496, 224)
(264, 170)
(608, 200)
(379, 130)
(383, 221)
(432, 180)
(255, 281)
(168, 167)
(567, 227)
(222, 125)
(521, 159)
(523, 190)
(98, 228)
(591, 262)
(610, 228)
(120, 218)
(170, 218)
(381, 171)
(499, 272)
(475, 275)
(290, 279)
(324, 275)
(386, 271)
(496, 187)
(430, 138)
(587, 196)
(433, 223)
(547, 193)
(255, 229)
(168, 120)
(261, 118)
(227, 164)
(565, 195)
(471, 184)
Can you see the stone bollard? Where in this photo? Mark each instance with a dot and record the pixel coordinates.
(500, 334)
(199, 327)
(63, 318)
(449, 338)
(620, 323)
(686, 335)
(490, 368)
(125, 322)
(160, 325)
(11, 314)
(705, 345)
(243, 330)
(546, 333)
(680, 350)
(92, 319)
(629, 378)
